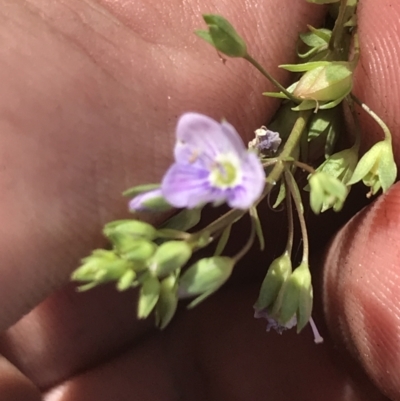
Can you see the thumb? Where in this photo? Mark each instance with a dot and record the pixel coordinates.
(361, 273)
(361, 290)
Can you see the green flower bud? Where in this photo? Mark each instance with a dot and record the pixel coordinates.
(317, 40)
(170, 256)
(148, 296)
(326, 190)
(138, 250)
(205, 277)
(340, 165)
(377, 168)
(328, 82)
(223, 36)
(167, 301)
(134, 228)
(296, 298)
(278, 272)
(126, 281)
(101, 267)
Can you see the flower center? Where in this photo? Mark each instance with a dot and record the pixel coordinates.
(225, 172)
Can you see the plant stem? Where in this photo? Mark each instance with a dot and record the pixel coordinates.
(338, 44)
(385, 129)
(289, 209)
(299, 207)
(266, 74)
(304, 166)
(247, 245)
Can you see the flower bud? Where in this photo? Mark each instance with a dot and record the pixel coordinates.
(296, 298)
(133, 228)
(326, 190)
(223, 36)
(137, 250)
(328, 82)
(377, 168)
(101, 267)
(205, 277)
(170, 256)
(340, 165)
(167, 301)
(278, 272)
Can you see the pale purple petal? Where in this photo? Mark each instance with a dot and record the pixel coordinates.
(201, 137)
(137, 203)
(186, 186)
(244, 195)
(272, 323)
(270, 140)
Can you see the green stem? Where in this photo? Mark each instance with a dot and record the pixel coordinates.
(247, 245)
(338, 44)
(304, 166)
(299, 207)
(259, 67)
(290, 145)
(385, 129)
(357, 129)
(289, 209)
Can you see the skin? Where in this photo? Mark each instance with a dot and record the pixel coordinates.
(91, 91)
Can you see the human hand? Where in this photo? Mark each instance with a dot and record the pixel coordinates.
(91, 94)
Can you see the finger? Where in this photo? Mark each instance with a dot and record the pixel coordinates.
(361, 277)
(377, 81)
(70, 332)
(362, 281)
(89, 107)
(219, 351)
(14, 386)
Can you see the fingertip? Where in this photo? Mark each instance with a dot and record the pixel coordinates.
(14, 386)
(361, 290)
(377, 81)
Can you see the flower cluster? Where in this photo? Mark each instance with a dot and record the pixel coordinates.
(213, 166)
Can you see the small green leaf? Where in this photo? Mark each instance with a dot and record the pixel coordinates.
(184, 220)
(223, 36)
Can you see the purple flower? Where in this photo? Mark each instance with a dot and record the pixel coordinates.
(211, 165)
(265, 140)
(272, 323)
(279, 328)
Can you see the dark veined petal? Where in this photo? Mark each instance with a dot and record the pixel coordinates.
(185, 186)
(201, 137)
